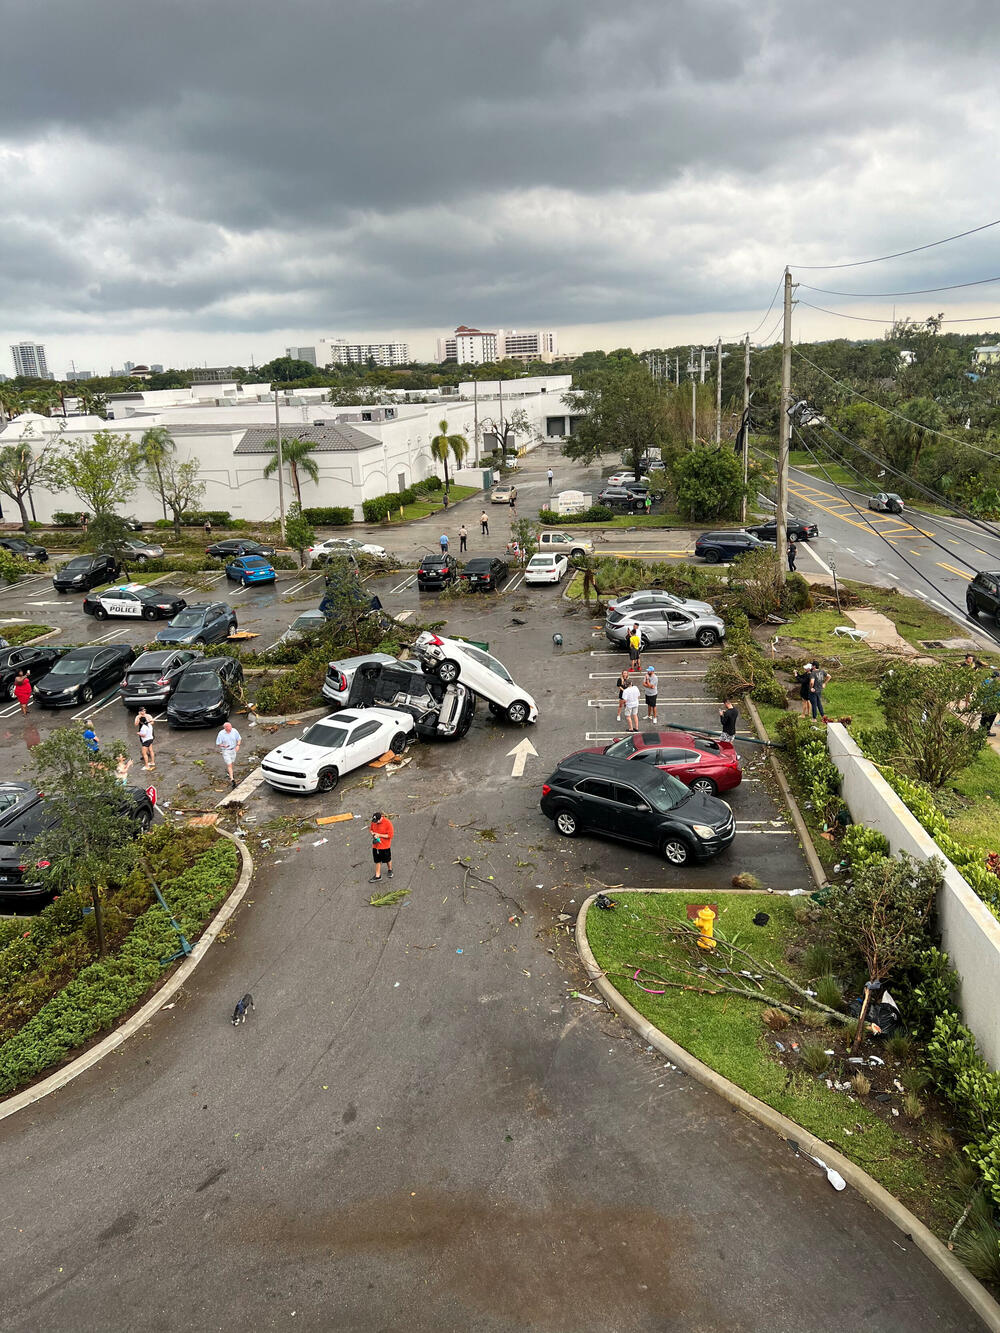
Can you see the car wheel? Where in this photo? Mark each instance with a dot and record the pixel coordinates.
(398, 743)
(140, 559)
(233, 627)
(578, 554)
(496, 710)
(8, 692)
(973, 610)
(676, 851)
(518, 711)
(566, 823)
(100, 613)
(704, 787)
(706, 638)
(149, 613)
(145, 820)
(448, 671)
(712, 557)
(327, 780)
(86, 694)
(61, 592)
(245, 583)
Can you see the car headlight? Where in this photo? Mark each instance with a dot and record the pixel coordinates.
(704, 830)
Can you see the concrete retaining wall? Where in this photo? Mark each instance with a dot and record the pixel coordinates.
(970, 932)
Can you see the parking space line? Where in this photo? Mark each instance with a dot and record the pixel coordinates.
(246, 788)
(403, 615)
(295, 588)
(518, 580)
(686, 702)
(9, 712)
(402, 587)
(93, 708)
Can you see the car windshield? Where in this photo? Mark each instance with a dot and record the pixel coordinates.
(490, 663)
(326, 735)
(81, 562)
(188, 619)
(72, 666)
(667, 793)
(621, 749)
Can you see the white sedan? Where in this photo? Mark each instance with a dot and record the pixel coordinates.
(344, 546)
(546, 569)
(627, 479)
(333, 746)
(452, 659)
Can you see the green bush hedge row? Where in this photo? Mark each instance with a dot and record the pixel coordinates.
(382, 505)
(595, 514)
(334, 516)
(102, 992)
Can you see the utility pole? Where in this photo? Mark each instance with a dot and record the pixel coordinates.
(694, 412)
(784, 425)
(281, 467)
(703, 365)
(746, 426)
(718, 391)
(677, 371)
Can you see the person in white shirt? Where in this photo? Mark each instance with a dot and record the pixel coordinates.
(631, 700)
(650, 685)
(228, 743)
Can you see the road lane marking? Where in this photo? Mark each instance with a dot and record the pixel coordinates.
(952, 570)
(822, 563)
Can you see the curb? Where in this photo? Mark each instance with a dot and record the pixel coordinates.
(870, 1190)
(802, 832)
(20, 1100)
(42, 638)
(306, 715)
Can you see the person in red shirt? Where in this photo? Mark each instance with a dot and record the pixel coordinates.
(381, 831)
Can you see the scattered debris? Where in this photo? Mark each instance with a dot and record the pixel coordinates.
(388, 899)
(333, 819)
(591, 999)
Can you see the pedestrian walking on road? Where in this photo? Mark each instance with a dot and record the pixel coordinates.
(729, 717)
(22, 691)
(444, 543)
(550, 479)
(381, 831)
(791, 553)
(634, 649)
(624, 679)
(144, 726)
(484, 523)
(631, 698)
(513, 499)
(650, 685)
(463, 537)
(228, 743)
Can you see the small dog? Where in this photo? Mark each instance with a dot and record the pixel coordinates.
(240, 1012)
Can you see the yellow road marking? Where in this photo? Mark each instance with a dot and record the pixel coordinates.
(899, 529)
(952, 570)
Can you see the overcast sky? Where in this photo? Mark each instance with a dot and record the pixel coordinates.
(188, 182)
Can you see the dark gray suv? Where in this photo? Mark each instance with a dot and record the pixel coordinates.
(982, 596)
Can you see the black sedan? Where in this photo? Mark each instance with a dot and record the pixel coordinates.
(436, 571)
(83, 672)
(485, 573)
(26, 550)
(36, 662)
(795, 527)
(133, 601)
(23, 816)
(201, 622)
(236, 546)
(84, 572)
(205, 692)
(152, 677)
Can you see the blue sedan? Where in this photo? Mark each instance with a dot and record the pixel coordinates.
(250, 569)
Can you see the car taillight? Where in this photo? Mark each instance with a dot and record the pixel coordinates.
(163, 681)
(436, 641)
(124, 682)
(343, 681)
(545, 789)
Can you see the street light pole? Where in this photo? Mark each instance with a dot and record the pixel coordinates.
(746, 426)
(718, 391)
(281, 467)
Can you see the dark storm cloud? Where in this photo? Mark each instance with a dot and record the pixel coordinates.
(219, 166)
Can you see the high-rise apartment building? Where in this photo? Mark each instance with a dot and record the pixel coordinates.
(302, 354)
(468, 347)
(539, 345)
(29, 360)
(339, 352)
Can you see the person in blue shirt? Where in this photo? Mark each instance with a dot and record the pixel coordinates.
(91, 739)
(444, 543)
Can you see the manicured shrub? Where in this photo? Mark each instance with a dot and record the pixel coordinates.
(595, 514)
(334, 516)
(62, 518)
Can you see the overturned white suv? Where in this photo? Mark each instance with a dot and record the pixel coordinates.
(453, 659)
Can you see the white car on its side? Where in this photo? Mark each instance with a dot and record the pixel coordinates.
(453, 659)
(546, 569)
(333, 746)
(344, 546)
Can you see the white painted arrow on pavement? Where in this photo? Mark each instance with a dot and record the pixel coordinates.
(520, 753)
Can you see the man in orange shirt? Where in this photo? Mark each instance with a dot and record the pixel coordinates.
(381, 831)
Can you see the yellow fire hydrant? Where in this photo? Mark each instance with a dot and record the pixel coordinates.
(705, 921)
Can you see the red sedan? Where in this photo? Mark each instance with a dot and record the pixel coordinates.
(704, 765)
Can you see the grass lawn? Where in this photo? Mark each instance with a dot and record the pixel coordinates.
(823, 471)
(17, 634)
(979, 827)
(631, 521)
(913, 618)
(726, 1031)
(434, 503)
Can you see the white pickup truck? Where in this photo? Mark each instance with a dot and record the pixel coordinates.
(564, 543)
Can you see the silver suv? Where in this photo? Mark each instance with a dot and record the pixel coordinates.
(658, 597)
(663, 625)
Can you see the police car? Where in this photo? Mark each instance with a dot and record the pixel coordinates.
(130, 600)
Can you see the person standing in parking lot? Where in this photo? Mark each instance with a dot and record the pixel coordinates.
(729, 717)
(513, 499)
(22, 691)
(228, 743)
(550, 479)
(444, 543)
(623, 683)
(463, 537)
(650, 685)
(631, 700)
(484, 523)
(634, 649)
(381, 830)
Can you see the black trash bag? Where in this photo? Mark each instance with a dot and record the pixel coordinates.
(605, 903)
(885, 1017)
(761, 919)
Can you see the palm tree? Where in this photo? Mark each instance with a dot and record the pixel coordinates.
(444, 444)
(155, 447)
(11, 402)
(295, 453)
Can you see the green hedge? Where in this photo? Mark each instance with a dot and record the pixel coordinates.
(334, 516)
(595, 514)
(104, 991)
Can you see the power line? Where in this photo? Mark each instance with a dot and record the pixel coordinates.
(863, 513)
(890, 412)
(880, 259)
(920, 291)
(763, 320)
(883, 319)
